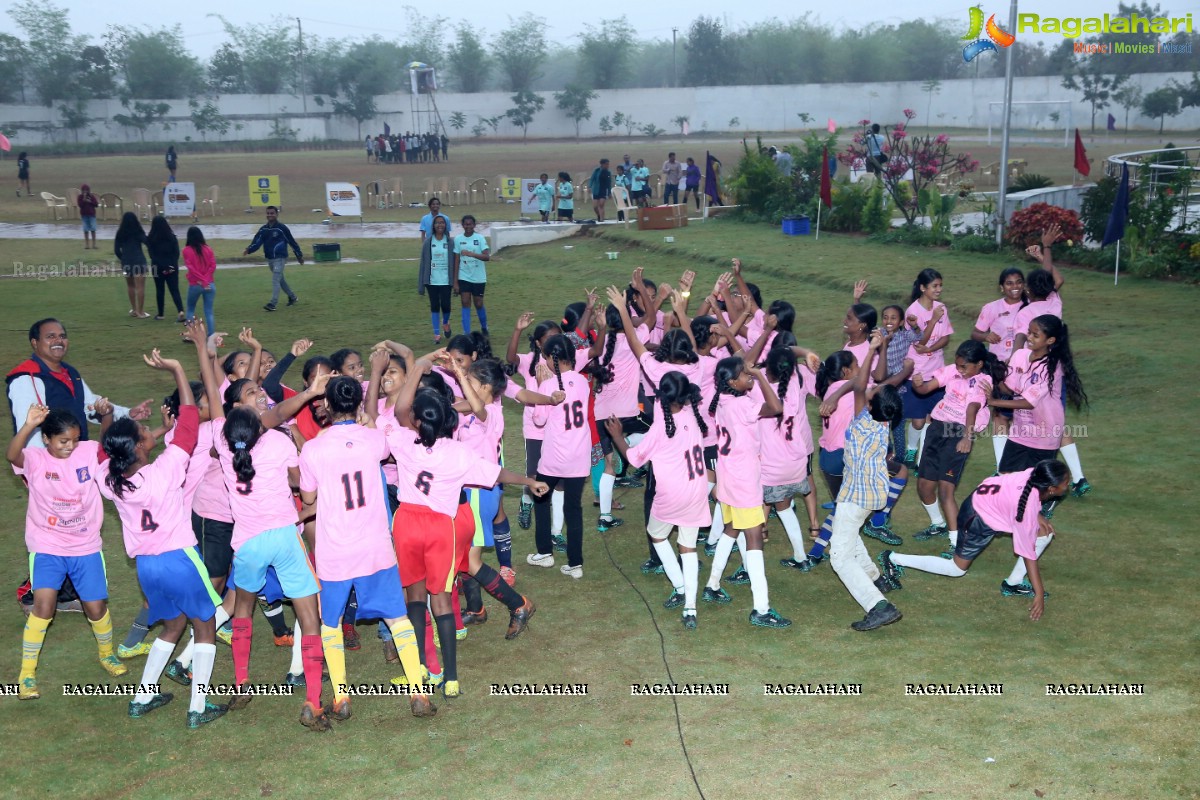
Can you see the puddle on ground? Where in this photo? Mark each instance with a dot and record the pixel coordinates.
(339, 230)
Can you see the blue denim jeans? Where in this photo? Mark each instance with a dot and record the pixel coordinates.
(210, 294)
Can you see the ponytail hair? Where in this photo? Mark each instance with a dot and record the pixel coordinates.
(434, 416)
(866, 314)
(120, 443)
(1045, 474)
(702, 330)
(831, 370)
(572, 314)
(924, 278)
(727, 370)
(344, 395)
(676, 388)
(1059, 355)
(1039, 285)
(785, 315)
(435, 382)
(603, 370)
(781, 363)
(558, 349)
(676, 348)
(886, 405)
(974, 352)
(490, 372)
(242, 430)
(539, 332)
(471, 344)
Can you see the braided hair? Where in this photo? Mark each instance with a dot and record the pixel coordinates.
(241, 432)
(727, 370)
(120, 443)
(702, 330)
(540, 332)
(434, 416)
(781, 365)
(1059, 355)
(676, 348)
(1046, 473)
(676, 388)
(603, 371)
(832, 368)
(558, 349)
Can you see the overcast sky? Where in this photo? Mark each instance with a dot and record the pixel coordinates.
(354, 20)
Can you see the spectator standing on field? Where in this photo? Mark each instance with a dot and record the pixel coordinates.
(672, 171)
(600, 185)
(164, 264)
(172, 163)
(275, 238)
(127, 247)
(691, 182)
(87, 215)
(23, 174)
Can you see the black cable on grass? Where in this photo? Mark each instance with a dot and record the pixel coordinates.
(662, 643)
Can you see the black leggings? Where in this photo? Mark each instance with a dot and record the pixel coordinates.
(439, 298)
(572, 516)
(165, 277)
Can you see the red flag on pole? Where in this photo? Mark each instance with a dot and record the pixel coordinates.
(826, 187)
(1081, 160)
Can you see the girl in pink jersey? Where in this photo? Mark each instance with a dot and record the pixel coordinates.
(150, 498)
(999, 505)
(433, 469)
(340, 483)
(739, 482)
(837, 411)
(682, 496)
(956, 421)
(861, 319)
(616, 378)
(524, 366)
(566, 454)
(927, 314)
(997, 328)
(62, 531)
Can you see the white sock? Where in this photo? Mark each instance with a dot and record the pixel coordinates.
(634, 438)
(220, 617)
(912, 439)
(921, 442)
(1018, 573)
(607, 482)
(185, 657)
(156, 662)
(741, 543)
(934, 564)
(297, 665)
(718, 524)
(998, 442)
(753, 559)
(691, 580)
(953, 539)
(670, 562)
(720, 559)
(1070, 454)
(791, 526)
(202, 667)
(934, 510)
(556, 511)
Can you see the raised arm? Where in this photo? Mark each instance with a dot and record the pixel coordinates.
(617, 298)
(412, 382)
(771, 406)
(858, 383)
(282, 412)
(755, 352)
(514, 341)
(379, 359)
(477, 406)
(33, 420)
(272, 383)
(246, 337)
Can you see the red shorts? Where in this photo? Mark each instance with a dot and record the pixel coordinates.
(428, 546)
(464, 536)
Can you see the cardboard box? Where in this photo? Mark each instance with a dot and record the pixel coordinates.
(661, 218)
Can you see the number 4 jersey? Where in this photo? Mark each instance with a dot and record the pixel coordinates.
(681, 491)
(354, 535)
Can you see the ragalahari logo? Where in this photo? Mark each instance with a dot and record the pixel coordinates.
(996, 36)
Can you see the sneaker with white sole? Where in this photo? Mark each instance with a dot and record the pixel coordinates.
(540, 560)
(574, 572)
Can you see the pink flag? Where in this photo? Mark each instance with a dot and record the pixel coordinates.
(5, 145)
(832, 126)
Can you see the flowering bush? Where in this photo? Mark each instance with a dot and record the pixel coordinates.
(1027, 224)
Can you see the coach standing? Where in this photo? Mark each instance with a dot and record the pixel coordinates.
(275, 238)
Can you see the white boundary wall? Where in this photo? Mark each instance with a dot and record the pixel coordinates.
(960, 103)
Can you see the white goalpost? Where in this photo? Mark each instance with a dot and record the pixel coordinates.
(1034, 116)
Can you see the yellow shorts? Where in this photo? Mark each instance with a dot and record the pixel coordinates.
(743, 518)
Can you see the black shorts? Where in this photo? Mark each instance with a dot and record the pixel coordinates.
(566, 213)
(134, 270)
(710, 458)
(941, 461)
(471, 288)
(215, 539)
(974, 535)
(628, 425)
(1018, 457)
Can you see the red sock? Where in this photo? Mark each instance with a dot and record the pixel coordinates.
(456, 605)
(313, 658)
(431, 654)
(242, 630)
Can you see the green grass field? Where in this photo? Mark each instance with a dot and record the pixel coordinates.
(1121, 574)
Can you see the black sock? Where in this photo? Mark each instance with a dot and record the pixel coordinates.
(274, 615)
(445, 627)
(350, 614)
(494, 585)
(473, 594)
(416, 615)
(139, 629)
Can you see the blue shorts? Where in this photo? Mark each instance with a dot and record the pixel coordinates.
(380, 596)
(283, 549)
(919, 406)
(484, 505)
(86, 572)
(832, 462)
(89, 224)
(272, 592)
(176, 582)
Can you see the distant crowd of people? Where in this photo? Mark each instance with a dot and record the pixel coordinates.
(411, 148)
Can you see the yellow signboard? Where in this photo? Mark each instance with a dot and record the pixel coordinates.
(511, 188)
(264, 190)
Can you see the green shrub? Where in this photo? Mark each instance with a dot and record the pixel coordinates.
(973, 243)
(849, 204)
(874, 218)
(1030, 181)
(1097, 206)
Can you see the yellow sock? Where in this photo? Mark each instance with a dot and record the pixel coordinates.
(102, 629)
(31, 645)
(406, 646)
(334, 646)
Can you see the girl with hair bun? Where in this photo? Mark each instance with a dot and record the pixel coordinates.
(1001, 504)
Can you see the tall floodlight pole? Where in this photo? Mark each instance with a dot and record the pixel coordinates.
(1001, 213)
(674, 73)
